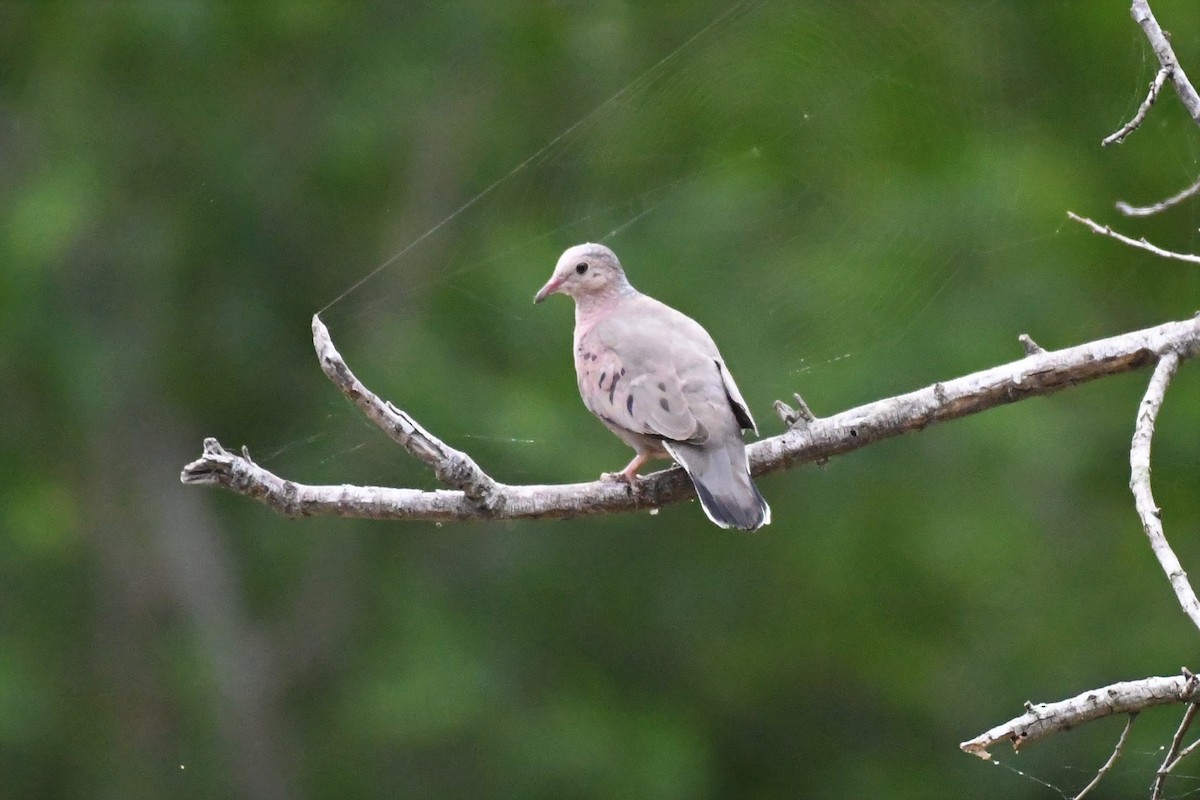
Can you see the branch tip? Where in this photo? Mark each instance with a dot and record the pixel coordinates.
(1145, 211)
(1045, 719)
(799, 417)
(786, 413)
(1030, 347)
(1140, 115)
(1141, 244)
(1160, 42)
(1139, 484)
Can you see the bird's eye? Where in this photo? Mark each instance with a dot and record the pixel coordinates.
(581, 267)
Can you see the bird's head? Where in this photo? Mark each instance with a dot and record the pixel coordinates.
(585, 270)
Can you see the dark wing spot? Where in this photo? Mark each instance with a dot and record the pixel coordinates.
(602, 376)
(629, 404)
(662, 401)
(612, 387)
(662, 387)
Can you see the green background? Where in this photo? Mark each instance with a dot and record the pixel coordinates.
(856, 199)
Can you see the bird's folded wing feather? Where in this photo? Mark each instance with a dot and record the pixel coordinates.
(655, 371)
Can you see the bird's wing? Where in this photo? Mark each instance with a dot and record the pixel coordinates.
(652, 370)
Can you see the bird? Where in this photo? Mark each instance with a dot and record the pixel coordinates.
(655, 378)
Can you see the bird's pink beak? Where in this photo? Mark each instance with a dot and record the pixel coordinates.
(552, 286)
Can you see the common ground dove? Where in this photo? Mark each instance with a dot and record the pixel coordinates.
(654, 377)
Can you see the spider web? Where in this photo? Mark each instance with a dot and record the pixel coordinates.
(707, 175)
(826, 226)
(812, 213)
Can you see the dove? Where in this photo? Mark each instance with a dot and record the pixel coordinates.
(655, 378)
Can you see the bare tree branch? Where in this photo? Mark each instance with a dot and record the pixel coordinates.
(812, 440)
(1045, 719)
(1132, 696)
(1129, 697)
(1147, 211)
(452, 467)
(1129, 127)
(1160, 779)
(1141, 244)
(1184, 753)
(1170, 68)
(1161, 45)
(1112, 759)
(1139, 484)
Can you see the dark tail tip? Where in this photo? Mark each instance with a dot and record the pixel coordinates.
(747, 514)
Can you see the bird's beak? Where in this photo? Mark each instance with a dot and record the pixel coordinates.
(553, 285)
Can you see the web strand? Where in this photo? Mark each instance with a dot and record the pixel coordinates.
(642, 79)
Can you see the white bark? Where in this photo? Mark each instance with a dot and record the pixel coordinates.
(1139, 484)
(475, 495)
(1161, 44)
(1043, 719)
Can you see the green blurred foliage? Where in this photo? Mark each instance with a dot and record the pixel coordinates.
(855, 198)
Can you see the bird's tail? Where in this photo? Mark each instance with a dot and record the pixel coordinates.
(721, 476)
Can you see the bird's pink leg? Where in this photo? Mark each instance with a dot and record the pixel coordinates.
(629, 474)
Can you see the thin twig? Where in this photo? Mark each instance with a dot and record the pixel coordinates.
(1184, 753)
(800, 416)
(1140, 115)
(1161, 45)
(1146, 211)
(1112, 759)
(1160, 779)
(1139, 484)
(1141, 244)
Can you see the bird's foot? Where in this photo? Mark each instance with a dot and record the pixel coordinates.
(627, 476)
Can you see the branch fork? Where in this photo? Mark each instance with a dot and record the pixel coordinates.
(799, 417)
(452, 467)
(1041, 720)
(473, 494)
(1131, 697)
